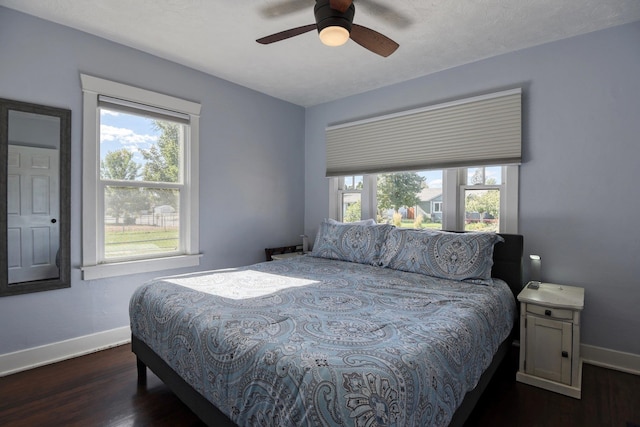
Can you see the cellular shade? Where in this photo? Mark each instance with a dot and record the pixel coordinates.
(479, 131)
(116, 104)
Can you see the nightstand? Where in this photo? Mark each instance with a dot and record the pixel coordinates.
(550, 338)
(277, 253)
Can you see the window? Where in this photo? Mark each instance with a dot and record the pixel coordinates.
(475, 198)
(140, 188)
(461, 140)
(481, 198)
(350, 193)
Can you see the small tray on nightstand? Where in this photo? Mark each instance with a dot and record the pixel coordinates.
(282, 252)
(286, 255)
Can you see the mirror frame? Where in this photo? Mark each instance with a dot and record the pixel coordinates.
(64, 279)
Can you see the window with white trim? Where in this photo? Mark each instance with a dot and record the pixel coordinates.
(140, 180)
(480, 194)
(483, 198)
(474, 145)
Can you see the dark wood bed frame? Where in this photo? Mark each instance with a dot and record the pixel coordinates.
(507, 257)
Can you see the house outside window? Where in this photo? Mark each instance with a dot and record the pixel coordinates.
(407, 199)
(140, 188)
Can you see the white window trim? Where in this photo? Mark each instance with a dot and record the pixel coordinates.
(369, 198)
(452, 198)
(335, 202)
(450, 190)
(510, 192)
(92, 87)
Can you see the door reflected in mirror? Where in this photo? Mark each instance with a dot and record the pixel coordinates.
(33, 197)
(35, 173)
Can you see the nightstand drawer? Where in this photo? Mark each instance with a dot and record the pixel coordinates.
(556, 313)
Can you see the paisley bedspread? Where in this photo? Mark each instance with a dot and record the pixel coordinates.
(314, 342)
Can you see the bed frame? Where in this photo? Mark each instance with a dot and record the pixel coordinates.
(507, 265)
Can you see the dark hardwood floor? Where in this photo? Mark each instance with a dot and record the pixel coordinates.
(609, 399)
(100, 389)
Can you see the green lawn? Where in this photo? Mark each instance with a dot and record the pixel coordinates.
(480, 226)
(125, 240)
(407, 223)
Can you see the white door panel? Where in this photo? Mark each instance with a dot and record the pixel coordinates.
(32, 213)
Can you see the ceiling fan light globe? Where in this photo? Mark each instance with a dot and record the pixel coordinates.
(334, 35)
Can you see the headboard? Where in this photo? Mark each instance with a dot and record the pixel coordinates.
(507, 261)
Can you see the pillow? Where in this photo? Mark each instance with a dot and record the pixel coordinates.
(370, 221)
(455, 256)
(350, 242)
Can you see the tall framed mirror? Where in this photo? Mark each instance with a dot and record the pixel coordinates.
(35, 143)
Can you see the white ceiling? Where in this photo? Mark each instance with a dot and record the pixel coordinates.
(218, 36)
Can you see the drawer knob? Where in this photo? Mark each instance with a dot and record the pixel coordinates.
(565, 354)
(547, 312)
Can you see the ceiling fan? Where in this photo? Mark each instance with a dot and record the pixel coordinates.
(334, 22)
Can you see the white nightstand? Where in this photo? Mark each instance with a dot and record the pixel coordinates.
(286, 255)
(550, 338)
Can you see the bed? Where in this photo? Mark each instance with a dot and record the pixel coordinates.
(368, 340)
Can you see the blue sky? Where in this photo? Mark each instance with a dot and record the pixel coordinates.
(434, 178)
(121, 130)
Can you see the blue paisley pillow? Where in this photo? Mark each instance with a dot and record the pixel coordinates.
(350, 242)
(456, 256)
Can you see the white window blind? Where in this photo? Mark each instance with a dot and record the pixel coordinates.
(483, 130)
(116, 104)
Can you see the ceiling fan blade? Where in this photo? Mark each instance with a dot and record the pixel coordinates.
(282, 35)
(373, 40)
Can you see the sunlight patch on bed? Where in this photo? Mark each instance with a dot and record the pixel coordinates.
(240, 283)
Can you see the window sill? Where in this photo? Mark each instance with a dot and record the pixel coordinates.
(102, 271)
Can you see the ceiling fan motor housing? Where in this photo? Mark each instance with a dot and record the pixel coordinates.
(327, 17)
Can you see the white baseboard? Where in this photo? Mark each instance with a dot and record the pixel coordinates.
(612, 359)
(22, 360)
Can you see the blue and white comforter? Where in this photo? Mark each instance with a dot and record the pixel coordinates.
(315, 342)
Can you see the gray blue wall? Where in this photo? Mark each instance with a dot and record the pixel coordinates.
(251, 168)
(262, 165)
(579, 193)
